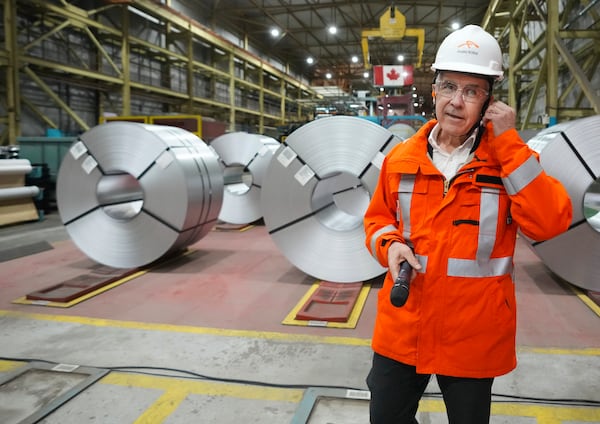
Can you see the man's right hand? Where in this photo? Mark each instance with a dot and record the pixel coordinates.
(400, 252)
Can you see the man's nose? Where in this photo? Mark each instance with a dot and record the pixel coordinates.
(459, 92)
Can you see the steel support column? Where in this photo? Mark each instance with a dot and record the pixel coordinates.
(13, 95)
(554, 53)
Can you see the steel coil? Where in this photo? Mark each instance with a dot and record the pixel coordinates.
(130, 193)
(245, 158)
(12, 193)
(570, 152)
(317, 188)
(15, 166)
(403, 131)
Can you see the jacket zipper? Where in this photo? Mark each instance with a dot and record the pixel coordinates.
(448, 183)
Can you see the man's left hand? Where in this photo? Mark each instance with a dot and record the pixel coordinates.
(501, 115)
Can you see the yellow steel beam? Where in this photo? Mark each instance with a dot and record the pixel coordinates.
(13, 95)
(66, 69)
(126, 74)
(187, 24)
(102, 50)
(552, 62)
(39, 113)
(392, 26)
(586, 86)
(48, 34)
(56, 99)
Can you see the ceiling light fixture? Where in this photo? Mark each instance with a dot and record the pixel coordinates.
(332, 29)
(275, 32)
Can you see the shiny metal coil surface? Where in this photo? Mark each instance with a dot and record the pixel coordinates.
(316, 190)
(403, 131)
(15, 166)
(245, 158)
(570, 152)
(12, 178)
(12, 193)
(130, 193)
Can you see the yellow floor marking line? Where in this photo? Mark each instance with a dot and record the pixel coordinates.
(290, 319)
(241, 228)
(24, 301)
(585, 298)
(591, 351)
(101, 322)
(177, 390)
(177, 385)
(547, 414)
(9, 365)
(298, 338)
(544, 414)
(163, 407)
(246, 228)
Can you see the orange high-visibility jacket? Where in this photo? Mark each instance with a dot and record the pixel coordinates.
(459, 319)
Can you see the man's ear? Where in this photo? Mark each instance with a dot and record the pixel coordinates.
(487, 103)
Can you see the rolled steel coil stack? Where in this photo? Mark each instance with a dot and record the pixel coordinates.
(318, 186)
(129, 193)
(570, 152)
(245, 158)
(16, 198)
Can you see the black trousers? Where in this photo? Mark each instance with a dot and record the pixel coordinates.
(396, 389)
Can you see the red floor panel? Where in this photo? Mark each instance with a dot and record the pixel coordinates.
(332, 302)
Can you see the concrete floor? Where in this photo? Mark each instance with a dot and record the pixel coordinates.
(206, 329)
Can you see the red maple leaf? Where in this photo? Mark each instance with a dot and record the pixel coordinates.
(393, 75)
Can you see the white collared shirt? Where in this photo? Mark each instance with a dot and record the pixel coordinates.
(449, 163)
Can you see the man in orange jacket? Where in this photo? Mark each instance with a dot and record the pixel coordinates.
(449, 201)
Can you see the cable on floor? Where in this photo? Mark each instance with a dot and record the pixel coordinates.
(155, 371)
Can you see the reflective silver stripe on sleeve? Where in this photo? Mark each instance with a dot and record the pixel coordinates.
(423, 261)
(488, 221)
(523, 175)
(376, 235)
(483, 265)
(405, 192)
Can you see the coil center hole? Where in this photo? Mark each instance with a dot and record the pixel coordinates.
(340, 201)
(120, 196)
(591, 205)
(237, 179)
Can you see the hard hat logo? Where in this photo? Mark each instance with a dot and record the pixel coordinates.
(470, 50)
(469, 44)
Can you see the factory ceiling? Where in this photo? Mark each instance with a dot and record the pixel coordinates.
(303, 27)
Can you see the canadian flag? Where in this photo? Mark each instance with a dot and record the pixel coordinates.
(392, 75)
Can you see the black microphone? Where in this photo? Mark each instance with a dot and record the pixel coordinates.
(399, 293)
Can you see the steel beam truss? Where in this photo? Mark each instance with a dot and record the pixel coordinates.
(138, 52)
(554, 54)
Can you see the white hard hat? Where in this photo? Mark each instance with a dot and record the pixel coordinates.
(472, 50)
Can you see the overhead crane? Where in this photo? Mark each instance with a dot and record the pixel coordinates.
(392, 26)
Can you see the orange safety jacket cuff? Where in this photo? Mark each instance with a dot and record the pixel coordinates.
(381, 241)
